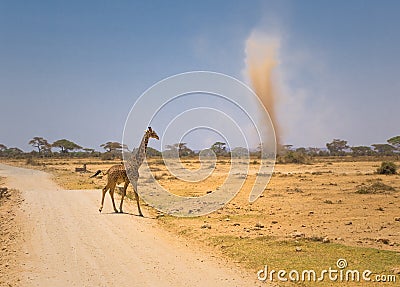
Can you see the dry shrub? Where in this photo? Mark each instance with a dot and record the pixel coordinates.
(387, 167)
(374, 188)
(31, 161)
(294, 157)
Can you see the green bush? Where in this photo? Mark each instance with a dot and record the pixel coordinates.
(387, 167)
(294, 157)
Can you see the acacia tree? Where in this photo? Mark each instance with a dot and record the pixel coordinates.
(171, 147)
(178, 148)
(113, 146)
(314, 151)
(13, 152)
(219, 148)
(337, 147)
(384, 149)
(395, 141)
(2, 147)
(41, 144)
(361, 150)
(183, 150)
(66, 145)
(283, 149)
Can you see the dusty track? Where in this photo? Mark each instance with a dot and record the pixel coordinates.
(67, 242)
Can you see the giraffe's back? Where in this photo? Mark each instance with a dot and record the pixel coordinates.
(117, 174)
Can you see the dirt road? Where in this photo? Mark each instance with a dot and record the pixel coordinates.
(67, 242)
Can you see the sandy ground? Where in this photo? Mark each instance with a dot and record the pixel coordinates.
(67, 242)
(10, 236)
(313, 201)
(317, 200)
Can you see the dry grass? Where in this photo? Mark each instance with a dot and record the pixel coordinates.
(302, 203)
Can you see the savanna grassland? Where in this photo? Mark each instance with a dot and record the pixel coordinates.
(309, 216)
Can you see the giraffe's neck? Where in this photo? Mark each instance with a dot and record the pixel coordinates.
(141, 153)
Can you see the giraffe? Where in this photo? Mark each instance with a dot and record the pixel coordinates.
(118, 174)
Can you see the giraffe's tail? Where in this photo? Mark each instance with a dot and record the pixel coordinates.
(96, 174)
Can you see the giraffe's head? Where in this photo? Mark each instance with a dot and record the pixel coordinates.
(151, 134)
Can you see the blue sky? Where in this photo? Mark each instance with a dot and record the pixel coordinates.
(73, 69)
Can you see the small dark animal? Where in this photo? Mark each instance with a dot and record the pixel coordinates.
(81, 169)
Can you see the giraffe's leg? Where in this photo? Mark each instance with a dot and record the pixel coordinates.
(102, 197)
(123, 195)
(137, 197)
(112, 197)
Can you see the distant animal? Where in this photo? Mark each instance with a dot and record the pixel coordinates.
(81, 169)
(118, 174)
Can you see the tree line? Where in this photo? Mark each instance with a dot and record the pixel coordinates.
(62, 147)
(340, 147)
(337, 148)
(286, 153)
